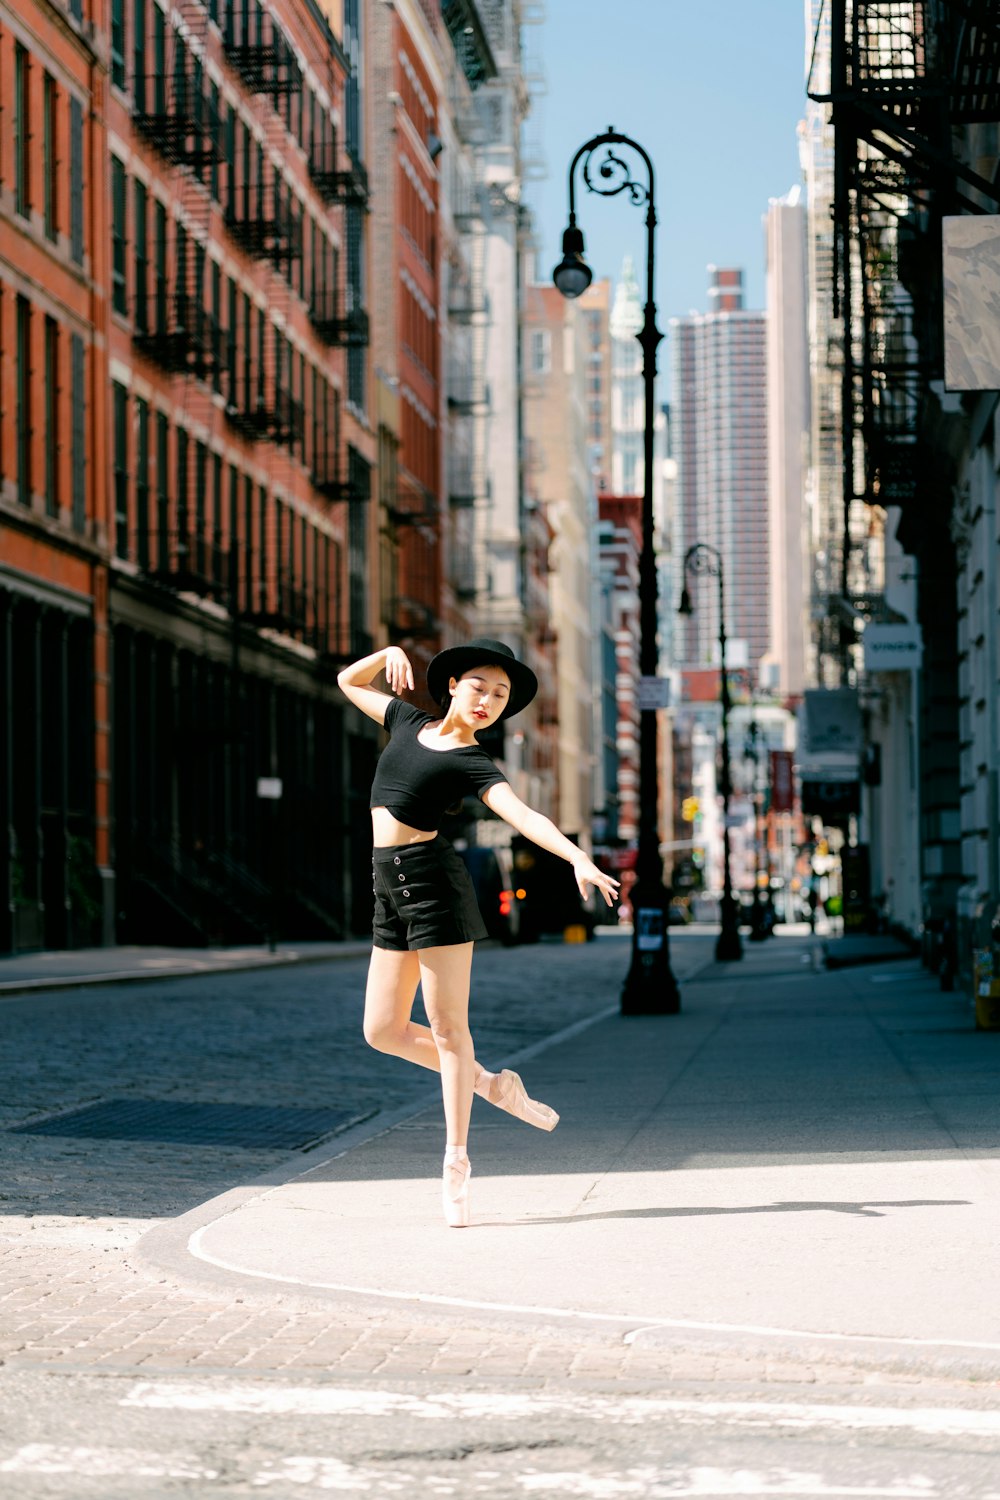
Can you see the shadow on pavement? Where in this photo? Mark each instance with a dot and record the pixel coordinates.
(860, 1210)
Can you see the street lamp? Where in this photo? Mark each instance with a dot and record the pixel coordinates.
(758, 929)
(650, 987)
(701, 558)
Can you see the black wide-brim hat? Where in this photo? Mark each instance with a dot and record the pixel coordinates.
(482, 653)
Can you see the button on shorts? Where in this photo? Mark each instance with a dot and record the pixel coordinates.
(424, 897)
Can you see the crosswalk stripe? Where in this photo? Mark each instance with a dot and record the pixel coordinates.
(102, 1463)
(334, 1401)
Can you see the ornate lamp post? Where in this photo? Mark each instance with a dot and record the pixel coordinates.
(650, 986)
(701, 558)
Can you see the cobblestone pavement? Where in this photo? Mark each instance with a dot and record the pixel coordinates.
(72, 1208)
(117, 1378)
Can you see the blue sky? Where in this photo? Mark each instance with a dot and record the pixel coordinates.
(713, 89)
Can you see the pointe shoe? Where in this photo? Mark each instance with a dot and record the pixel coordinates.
(508, 1092)
(455, 1187)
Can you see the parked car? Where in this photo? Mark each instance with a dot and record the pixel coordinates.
(546, 897)
(491, 877)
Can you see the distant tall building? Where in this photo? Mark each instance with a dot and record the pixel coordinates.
(595, 310)
(559, 476)
(719, 421)
(788, 433)
(627, 389)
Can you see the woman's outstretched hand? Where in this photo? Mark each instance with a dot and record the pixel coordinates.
(588, 874)
(398, 672)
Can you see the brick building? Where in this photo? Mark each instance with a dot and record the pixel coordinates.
(211, 498)
(54, 751)
(226, 465)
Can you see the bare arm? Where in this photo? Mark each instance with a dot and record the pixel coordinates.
(541, 830)
(355, 681)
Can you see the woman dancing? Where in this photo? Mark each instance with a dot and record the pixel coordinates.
(426, 915)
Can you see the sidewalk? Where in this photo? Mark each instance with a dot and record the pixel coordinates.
(802, 1160)
(73, 967)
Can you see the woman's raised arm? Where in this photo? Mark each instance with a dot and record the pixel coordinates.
(355, 681)
(541, 830)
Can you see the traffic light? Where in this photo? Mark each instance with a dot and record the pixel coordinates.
(690, 809)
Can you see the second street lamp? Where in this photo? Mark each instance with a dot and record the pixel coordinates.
(701, 558)
(650, 987)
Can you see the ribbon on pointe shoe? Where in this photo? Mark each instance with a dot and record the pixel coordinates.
(507, 1092)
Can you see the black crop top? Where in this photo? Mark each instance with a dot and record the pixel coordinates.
(417, 784)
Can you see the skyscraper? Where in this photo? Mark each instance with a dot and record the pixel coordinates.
(719, 415)
(788, 433)
(627, 392)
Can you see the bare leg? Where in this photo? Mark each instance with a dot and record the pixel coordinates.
(444, 974)
(392, 986)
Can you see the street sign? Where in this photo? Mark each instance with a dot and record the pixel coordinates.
(269, 786)
(892, 648)
(654, 692)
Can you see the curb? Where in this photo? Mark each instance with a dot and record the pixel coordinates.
(858, 960)
(141, 976)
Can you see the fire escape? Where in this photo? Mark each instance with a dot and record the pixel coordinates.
(903, 74)
(175, 325)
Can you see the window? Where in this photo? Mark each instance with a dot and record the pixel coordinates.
(22, 138)
(23, 377)
(229, 150)
(356, 356)
(214, 119)
(247, 586)
(160, 267)
(119, 417)
(359, 474)
(183, 516)
(218, 571)
(78, 401)
(76, 180)
(159, 62)
(247, 360)
(49, 137)
(232, 340)
(200, 504)
(264, 553)
(163, 491)
(140, 210)
(51, 417)
(234, 556)
(139, 56)
(142, 481)
(541, 351)
(118, 43)
(216, 329)
(119, 242)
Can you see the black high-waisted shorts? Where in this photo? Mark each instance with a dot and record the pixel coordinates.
(424, 897)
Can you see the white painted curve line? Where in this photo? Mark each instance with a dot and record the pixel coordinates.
(712, 1484)
(102, 1463)
(279, 1400)
(642, 1321)
(372, 1128)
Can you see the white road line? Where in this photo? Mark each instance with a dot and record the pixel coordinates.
(706, 1483)
(276, 1400)
(102, 1463)
(320, 1472)
(645, 1482)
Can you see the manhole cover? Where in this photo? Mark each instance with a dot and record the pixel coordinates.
(252, 1127)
